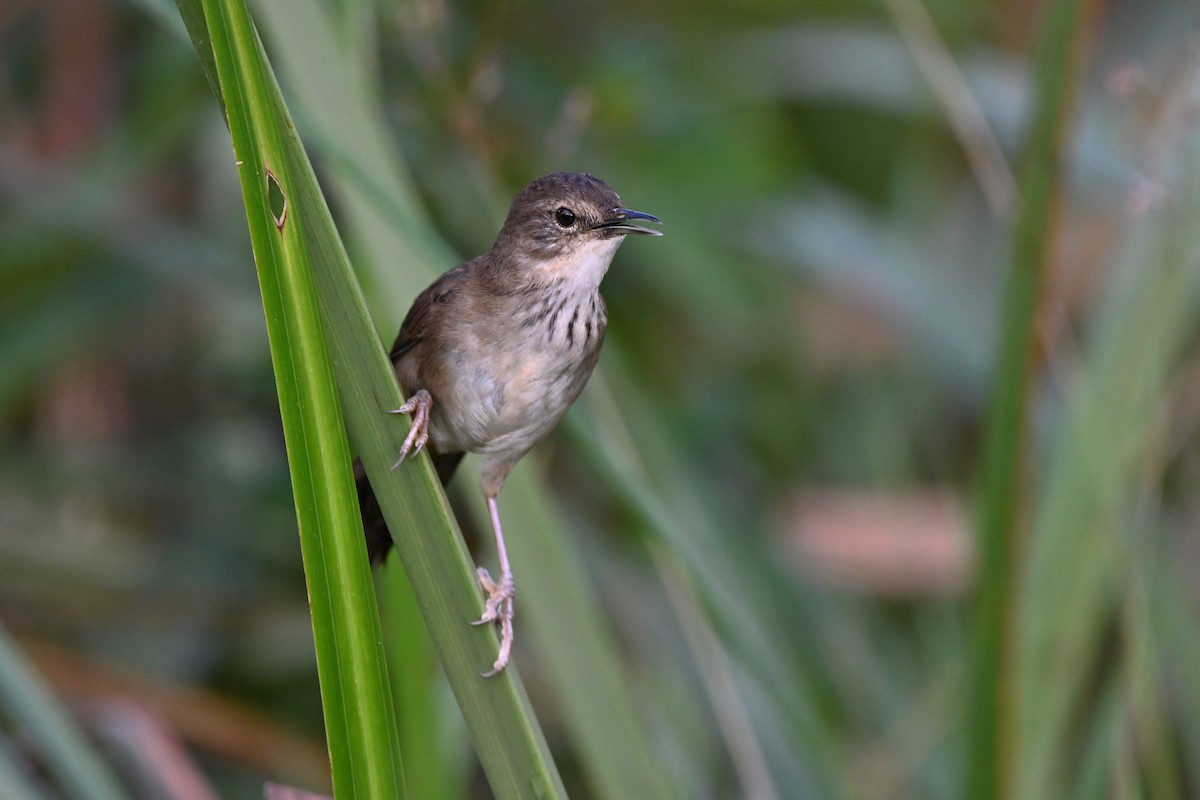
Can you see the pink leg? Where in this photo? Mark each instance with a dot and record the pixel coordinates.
(499, 602)
(419, 405)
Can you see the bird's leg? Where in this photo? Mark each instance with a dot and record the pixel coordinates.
(419, 405)
(499, 603)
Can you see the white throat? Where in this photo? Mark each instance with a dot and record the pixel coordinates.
(583, 269)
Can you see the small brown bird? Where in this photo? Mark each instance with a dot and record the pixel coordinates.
(493, 354)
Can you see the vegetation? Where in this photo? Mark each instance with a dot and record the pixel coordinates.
(885, 486)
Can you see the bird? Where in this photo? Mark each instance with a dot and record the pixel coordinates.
(495, 351)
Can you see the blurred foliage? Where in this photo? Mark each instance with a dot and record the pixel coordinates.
(821, 315)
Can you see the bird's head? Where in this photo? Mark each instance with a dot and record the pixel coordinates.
(567, 224)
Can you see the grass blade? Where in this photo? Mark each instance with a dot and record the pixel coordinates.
(361, 731)
(1085, 565)
(1005, 500)
(506, 734)
(82, 774)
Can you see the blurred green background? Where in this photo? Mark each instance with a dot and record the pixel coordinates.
(802, 366)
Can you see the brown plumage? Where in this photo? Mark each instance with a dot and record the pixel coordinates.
(496, 350)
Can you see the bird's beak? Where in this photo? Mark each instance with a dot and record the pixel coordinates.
(621, 222)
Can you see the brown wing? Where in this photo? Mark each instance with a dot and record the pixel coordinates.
(422, 318)
(418, 326)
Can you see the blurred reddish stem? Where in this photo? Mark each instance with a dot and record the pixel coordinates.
(205, 720)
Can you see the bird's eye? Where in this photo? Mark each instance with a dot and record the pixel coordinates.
(564, 217)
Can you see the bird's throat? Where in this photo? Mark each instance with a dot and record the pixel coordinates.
(579, 270)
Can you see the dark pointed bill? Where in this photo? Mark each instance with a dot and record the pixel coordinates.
(622, 222)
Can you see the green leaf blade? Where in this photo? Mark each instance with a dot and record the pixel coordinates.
(360, 728)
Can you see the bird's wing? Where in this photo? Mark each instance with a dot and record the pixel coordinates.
(423, 317)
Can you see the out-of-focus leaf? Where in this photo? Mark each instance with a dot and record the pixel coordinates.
(73, 762)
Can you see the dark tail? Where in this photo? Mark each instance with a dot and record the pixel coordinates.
(379, 540)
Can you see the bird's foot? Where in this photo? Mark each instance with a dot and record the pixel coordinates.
(419, 405)
(498, 607)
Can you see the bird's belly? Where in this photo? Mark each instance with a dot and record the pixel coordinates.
(508, 404)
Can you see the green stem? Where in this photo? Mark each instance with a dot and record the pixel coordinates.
(1007, 447)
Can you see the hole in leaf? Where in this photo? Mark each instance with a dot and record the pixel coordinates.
(276, 200)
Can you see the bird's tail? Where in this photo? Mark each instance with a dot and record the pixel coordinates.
(379, 540)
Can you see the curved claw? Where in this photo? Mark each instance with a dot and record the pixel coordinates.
(419, 405)
(498, 607)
